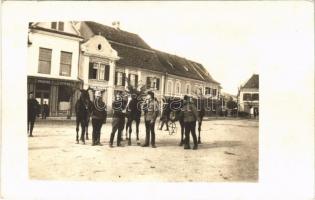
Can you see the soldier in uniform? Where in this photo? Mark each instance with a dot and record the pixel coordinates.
(190, 116)
(119, 108)
(32, 109)
(99, 114)
(151, 110)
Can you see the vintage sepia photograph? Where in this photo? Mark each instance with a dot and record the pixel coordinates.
(157, 100)
(99, 94)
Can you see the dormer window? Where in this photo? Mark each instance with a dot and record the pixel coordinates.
(57, 26)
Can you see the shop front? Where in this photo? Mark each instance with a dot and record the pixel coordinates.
(60, 95)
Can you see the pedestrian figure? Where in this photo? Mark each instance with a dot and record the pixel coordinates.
(99, 115)
(190, 116)
(119, 108)
(32, 109)
(45, 110)
(151, 110)
(165, 116)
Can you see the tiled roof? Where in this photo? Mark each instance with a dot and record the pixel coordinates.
(117, 35)
(134, 52)
(182, 67)
(253, 82)
(135, 57)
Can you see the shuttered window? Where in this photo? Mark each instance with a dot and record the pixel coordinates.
(93, 70)
(255, 97)
(153, 83)
(44, 62)
(101, 73)
(148, 82)
(247, 97)
(133, 79)
(65, 63)
(120, 78)
(107, 68)
(214, 92)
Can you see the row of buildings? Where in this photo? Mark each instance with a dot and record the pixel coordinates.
(66, 56)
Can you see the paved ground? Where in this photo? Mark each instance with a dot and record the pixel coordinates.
(229, 152)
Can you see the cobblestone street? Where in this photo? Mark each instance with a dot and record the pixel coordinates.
(229, 152)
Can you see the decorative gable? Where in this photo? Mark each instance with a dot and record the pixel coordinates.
(99, 46)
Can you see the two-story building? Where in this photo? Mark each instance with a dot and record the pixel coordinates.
(249, 94)
(65, 56)
(132, 57)
(52, 73)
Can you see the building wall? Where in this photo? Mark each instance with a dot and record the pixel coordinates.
(195, 85)
(57, 44)
(54, 81)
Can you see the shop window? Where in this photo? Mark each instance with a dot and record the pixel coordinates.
(44, 62)
(65, 63)
(247, 97)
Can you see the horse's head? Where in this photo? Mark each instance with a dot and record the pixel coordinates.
(85, 97)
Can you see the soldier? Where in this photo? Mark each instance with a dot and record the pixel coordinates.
(190, 116)
(32, 108)
(99, 114)
(45, 110)
(151, 110)
(119, 108)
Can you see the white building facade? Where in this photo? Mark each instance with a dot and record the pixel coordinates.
(53, 59)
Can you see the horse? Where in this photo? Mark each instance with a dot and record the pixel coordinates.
(83, 109)
(133, 113)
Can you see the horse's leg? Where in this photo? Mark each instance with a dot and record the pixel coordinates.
(182, 133)
(137, 131)
(82, 132)
(130, 130)
(199, 129)
(77, 130)
(86, 129)
(127, 128)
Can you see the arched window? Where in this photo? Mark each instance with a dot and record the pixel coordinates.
(187, 88)
(177, 88)
(169, 86)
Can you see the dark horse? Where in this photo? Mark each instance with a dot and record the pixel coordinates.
(83, 111)
(133, 113)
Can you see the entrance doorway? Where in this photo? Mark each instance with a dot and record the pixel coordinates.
(42, 94)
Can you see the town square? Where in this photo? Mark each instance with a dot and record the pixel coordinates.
(229, 152)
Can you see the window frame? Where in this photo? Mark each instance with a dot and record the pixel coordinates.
(41, 60)
(65, 64)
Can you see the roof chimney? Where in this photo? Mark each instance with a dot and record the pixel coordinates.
(116, 25)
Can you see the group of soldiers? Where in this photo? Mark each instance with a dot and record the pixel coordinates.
(150, 108)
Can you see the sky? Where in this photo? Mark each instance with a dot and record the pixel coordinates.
(231, 39)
